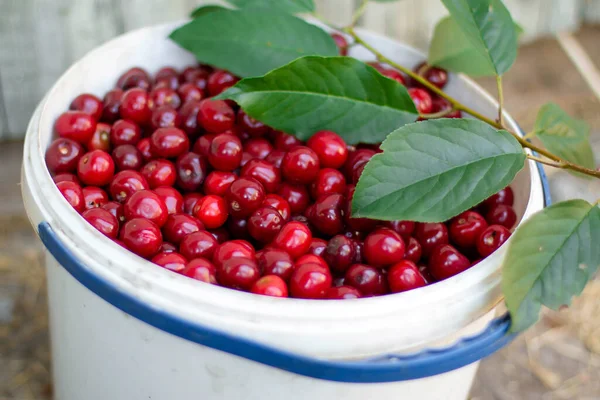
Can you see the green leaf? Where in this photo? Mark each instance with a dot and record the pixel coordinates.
(550, 259)
(252, 42)
(434, 170)
(340, 94)
(564, 136)
(450, 49)
(205, 10)
(287, 6)
(489, 27)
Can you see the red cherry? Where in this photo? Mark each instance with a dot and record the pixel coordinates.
(215, 116)
(267, 174)
(111, 105)
(96, 168)
(384, 247)
(66, 177)
(328, 181)
(403, 228)
(355, 160)
(284, 141)
(244, 196)
(317, 247)
(89, 104)
(327, 214)
(413, 250)
(405, 276)
(202, 270)
(125, 132)
(393, 74)
(221, 234)
(440, 104)
(72, 192)
(503, 215)
(368, 280)
(445, 261)
(63, 155)
(178, 226)
(296, 196)
(310, 281)
(172, 199)
(310, 259)
(134, 78)
(75, 125)
(127, 157)
(430, 235)
(198, 244)
(491, 239)
(125, 183)
(167, 77)
(343, 293)
(422, 99)
(278, 203)
(275, 157)
(146, 204)
(217, 182)
(248, 124)
(504, 196)
(258, 148)
(272, 261)
(225, 152)
(115, 209)
(437, 76)
(238, 273)
(270, 285)
(135, 106)
(202, 145)
(144, 148)
(169, 142)
(164, 96)
(165, 117)
(141, 236)
(356, 224)
(94, 197)
(220, 80)
(172, 261)
(191, 171)
(189, 92)
(100, 139)
(264, 223)
(189, 202)
(300, 165)
(159, 173)
(340, 253)
(295, 238)
(211, 210)
(341, 43)
(466, 228)
(233, 249)
(189, 118)
(330, 148)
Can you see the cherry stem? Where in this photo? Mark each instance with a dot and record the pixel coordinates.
(439, 114)
(359, 12)
(562, 165)
(500, 100)
(459, 106)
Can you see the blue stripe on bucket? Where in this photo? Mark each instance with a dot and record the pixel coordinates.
(386, 368)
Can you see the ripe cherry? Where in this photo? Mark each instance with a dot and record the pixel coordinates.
(164, 96)
(169, 142)
(96, 168)
(159, 172)
(172, 199)
(272, 261)
(341, 43)
(100, 139)
(317, 247)
(404, 276)
(127, 157)
(445, 261)
(189, 92)
(66, 177)
(189, 202)
(328, 181)
(310, 281)
(248, 124)
(275, 157)
(75, 125)
(198, 244)
(384, 247)
(295, 238)
(264, 223)
(503, 215)
(217, 182)
(504, 196)
(189, 119)
(116, 210)
(278, 203)
(340, 253)
(215, 116)
(202, 270)
(343, 293)
(403, 228)
(134, 78)
(146, 204)
(266, 173)
(73, 193)
(225, 152)
(211, 210)
(111, 105)
(167, 77)
(270, 285)
(437, 76)
(135, 106)
(258, 148)
(171, 260)
(141, 236)
(327, 214)
(165, 117)
(63, 155)
(237, 228)
(356, 224)
(296, 196)
(422, 100)
(191, 171)
(233, 249)
(430, 235)
(330, 148)
(244, 196)
(144, 148)
(285, 142)
(94, 197)
(466, 228)
(393, 74)
(491, 239)
(413, 250)
(369, 281)
(220, 80)
(125, 132)
(300, 165)
(178, 226)
(125, 183)
(89, 104)
(238, 273)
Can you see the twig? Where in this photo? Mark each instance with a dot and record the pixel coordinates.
(359, 12)
(500, 100)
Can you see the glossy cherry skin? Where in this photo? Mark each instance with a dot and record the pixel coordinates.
(190, 92)
(404, 276)
(280, 204)
(310, 281)
(340, 253)
(202, 270)
(422, 100)
(286, 142)
(275, 157)
(384, 247)
(491, 239)
(141, 236)
(264, 172)
(165, 117)
(96, 168)
(327, 214)
(413, 250)
(465, 229)
(178, 226)
(437, 76)
(248, 124)
(244, 196)
(135, 106)
(189, 118)
(238, 273)
(144, 148)
(134, 78)
(341, 43)
(171, 260)
(127, 157)
(317, 247)
(212, 211)
(225, 153)
(111, 104)
(164, 96)
(272, 261)
(440, 104)
(445, 261)
(295, 238)
(100, 139)
(116, 210)
(217, 182)
(215, 116)
(125, 132)
(167, 247)
(75, 125)
(233, 249)
(94, 196)
(270, 285)
(220, 80)
(369, 281)
(300, 165)
(343, 293)
(66, 177)
(198, 244)
(197, 76)
(264, 223)
(330, 148)
(504, 196)
(125, 183)
(172, 199)
(310, 259)
(296, 196)
(430, 235)
(73, 193)
(169, 142)
(63, 155)
(258, 148)
(403, 228)
(146, 204)
(189, 202)
(167, 77)
(159, 173)
(191, 171)
(503, 215)
(393, 74)
(221, 234)
(328, 181)
(89, 104)
(202, 145)
(356, 224)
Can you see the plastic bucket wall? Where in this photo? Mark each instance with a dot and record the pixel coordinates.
(124, 328)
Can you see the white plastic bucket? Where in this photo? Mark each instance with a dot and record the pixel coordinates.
(123, 328)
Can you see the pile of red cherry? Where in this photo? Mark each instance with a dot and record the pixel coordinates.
(200, 188)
